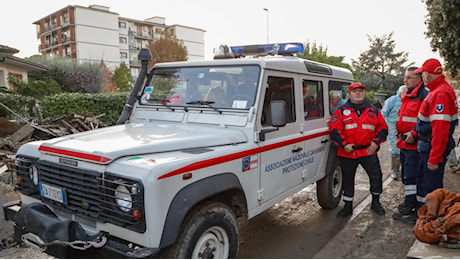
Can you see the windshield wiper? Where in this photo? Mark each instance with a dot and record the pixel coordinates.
(163, 102)
(204, 103)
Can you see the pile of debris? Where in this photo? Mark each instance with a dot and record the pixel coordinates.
(13, 134)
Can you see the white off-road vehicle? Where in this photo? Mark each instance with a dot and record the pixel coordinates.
(198, 145)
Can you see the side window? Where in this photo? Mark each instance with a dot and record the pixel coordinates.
(279, 88)
(313, 105)
(337, 96)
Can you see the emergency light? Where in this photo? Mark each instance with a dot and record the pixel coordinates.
(285, 49)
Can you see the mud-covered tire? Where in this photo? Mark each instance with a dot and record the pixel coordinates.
(210, 231)
(329, 188)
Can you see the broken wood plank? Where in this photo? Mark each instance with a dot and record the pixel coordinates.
(82, 124)
(69, 126)
(44, 130)
(22, 133)
(11, 111)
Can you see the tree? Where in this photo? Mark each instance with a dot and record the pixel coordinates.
(122, 79)
(443, 27)
(319, 53)
(381, 62)
(71, 75)
(166, 49)
(34, 88)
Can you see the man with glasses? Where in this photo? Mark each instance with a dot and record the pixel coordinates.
(407, 143)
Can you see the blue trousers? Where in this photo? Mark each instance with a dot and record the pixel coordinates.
(428, 181)
(409, 171)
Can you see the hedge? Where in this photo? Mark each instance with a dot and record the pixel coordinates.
(70, 103)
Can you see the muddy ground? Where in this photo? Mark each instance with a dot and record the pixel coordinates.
(289, 229)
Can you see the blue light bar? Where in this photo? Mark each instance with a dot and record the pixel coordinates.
(268, 49)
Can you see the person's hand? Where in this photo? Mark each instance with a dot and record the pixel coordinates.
(410, 139)
(396, 133)
(372, 148)
(348, 148)
(432, 167)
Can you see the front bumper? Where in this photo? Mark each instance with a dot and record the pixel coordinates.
(37, 226)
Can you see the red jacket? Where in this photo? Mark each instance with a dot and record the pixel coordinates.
(408, 113)
(437, 120)
(346, 127)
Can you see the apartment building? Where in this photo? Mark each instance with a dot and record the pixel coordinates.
(95, 34)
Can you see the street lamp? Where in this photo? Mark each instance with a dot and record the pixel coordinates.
(266, 10)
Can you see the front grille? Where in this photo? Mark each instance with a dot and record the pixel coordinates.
(81, 187)
(90, 194)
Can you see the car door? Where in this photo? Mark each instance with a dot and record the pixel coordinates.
(281, 168)
(314, 129)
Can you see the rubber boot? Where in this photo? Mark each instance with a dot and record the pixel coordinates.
(395, 165)
(376, 206)
(346, 211)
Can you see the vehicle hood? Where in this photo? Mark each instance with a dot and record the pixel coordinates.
(114, 142)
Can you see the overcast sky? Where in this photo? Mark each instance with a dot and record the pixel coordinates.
(342, 26)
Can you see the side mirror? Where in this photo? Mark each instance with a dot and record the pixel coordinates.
(278, 113)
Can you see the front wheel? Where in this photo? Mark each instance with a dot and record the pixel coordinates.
(329, 188)
(210, 231)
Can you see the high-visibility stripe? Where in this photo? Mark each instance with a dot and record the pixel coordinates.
(423, 118)
(421, 199)
(230, 157)
(443, 117)
(371, 127)
(409, 119)
(350, 126)
(345, 198)
(410, 189)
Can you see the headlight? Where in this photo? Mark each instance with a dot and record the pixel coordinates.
(33, 174)
(123, 198)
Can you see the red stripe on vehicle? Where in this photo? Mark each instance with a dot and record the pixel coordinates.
(84, 156)
(225, 158)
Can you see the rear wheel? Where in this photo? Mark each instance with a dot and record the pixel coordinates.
(211, 231)
(329, 189)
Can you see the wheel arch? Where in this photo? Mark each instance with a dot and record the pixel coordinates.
(225, 187)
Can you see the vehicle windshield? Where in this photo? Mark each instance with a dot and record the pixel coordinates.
(227, 87)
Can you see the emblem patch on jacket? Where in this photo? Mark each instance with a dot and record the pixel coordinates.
(439, 108)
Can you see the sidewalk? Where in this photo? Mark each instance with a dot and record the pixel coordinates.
(368, 235)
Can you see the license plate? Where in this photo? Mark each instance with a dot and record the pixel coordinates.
(53, 193)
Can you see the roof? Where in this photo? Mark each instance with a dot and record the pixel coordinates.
(7, 49)
(6, 57)
(279, 63)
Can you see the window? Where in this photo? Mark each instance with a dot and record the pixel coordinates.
(279, 89)
(123, 55)
(122, 25)
(123, 40)
(337, 97)
(16, 75)
(313, 105)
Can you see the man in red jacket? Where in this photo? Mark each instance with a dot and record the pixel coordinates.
(409, 156)
(359, 128)
(436, 123)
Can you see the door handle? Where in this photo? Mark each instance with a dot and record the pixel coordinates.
(324, 141)
(296, 150)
